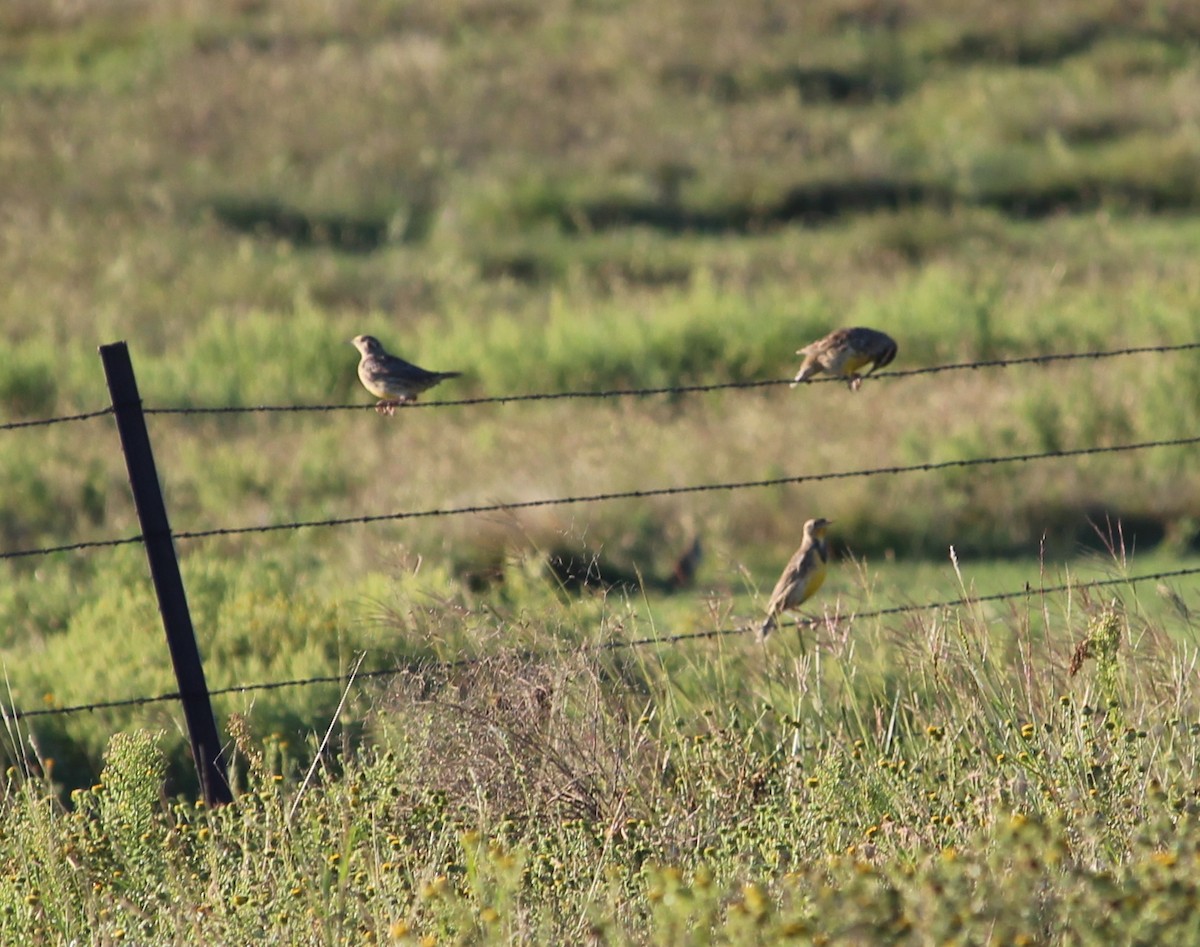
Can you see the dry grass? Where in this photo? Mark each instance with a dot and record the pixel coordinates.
(548, 739)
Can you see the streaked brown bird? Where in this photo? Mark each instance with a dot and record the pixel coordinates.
(392, 379)
(803, 576)
(843, 352)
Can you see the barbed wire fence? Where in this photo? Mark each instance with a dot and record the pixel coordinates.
(431, 664)
(611, 393)
(418, 666)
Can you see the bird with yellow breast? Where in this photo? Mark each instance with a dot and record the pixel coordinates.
(802, 577)
(843, 352)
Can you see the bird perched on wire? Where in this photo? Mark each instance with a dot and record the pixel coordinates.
(392, 379)
(843, 352)
(802, 577)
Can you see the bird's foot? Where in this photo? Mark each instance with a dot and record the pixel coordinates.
(801, 624)
(386, 407)
(855, 382)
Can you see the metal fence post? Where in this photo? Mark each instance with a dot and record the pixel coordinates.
(164, 570)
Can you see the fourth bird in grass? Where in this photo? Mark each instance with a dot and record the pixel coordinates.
(803, 576)
(843, 352)
(390, 378)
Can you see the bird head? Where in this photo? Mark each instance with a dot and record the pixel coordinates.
(816, 527)
(367, 345)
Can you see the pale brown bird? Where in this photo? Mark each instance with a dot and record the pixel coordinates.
(390, 378)
(803, 576)
(843, 352)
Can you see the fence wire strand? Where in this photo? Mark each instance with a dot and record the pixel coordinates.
(46, 422)
(70, 547)
(675, 491)
(894, 470)
(690, 389)
(418, 665)
(623, 392)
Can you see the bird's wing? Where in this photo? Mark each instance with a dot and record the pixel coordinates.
(396, 363)
(798, 566)
(824, 346)
(398, 366)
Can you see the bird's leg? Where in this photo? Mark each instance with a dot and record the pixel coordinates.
(800, 634)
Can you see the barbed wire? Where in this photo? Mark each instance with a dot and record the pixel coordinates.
(1038, 359)
(70, 547)
(623, 392)
(688, 389)
(419, 665)
(614, 495)
(46, 422)
(675, 491)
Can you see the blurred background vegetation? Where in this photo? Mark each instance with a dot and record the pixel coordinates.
(571, 194)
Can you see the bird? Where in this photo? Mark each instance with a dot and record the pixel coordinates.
(843, 352)
(803, 575)
(683, 573)
(392, 379)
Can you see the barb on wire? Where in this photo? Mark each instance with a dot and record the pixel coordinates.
(417, 665)
(693, 389)
(46, 422)
(674, 491)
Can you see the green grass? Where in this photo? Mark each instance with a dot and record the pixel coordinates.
(563, 196)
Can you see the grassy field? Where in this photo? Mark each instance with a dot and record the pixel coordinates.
(562, 196)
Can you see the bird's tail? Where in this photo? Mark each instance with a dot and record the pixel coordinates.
(449, 374)
(801, 376)
(765, 628)
(808, 367)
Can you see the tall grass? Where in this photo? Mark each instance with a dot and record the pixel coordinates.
(721, 790)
